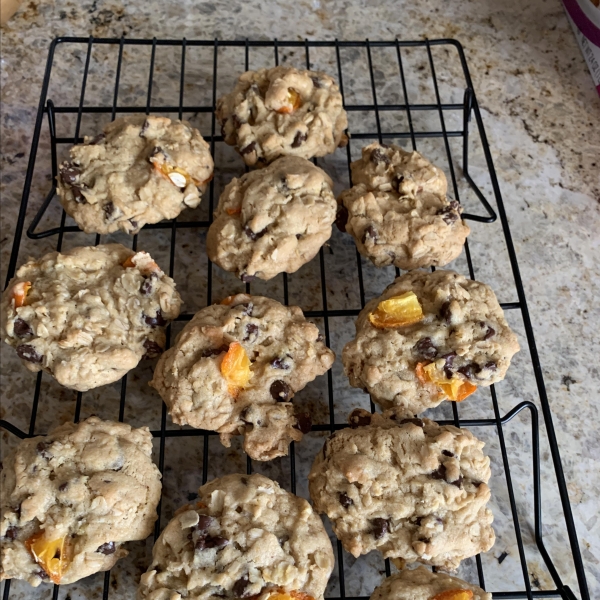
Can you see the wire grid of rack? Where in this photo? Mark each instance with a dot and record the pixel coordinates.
(467, 108)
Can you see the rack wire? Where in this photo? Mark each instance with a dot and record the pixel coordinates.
(461, 179)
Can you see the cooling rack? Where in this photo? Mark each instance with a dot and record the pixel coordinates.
(416, 93)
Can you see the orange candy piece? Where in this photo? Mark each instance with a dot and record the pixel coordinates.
(454, 595)
(397, 311)
(233, 211)
(294, 102)
(19, 293)
(52, 555)
(151, 267)
(293, 595)
(455, 389)
(236, 368)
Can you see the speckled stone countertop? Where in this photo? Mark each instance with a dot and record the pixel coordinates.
(542, 117)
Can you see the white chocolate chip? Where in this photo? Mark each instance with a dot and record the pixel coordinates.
(178, 179)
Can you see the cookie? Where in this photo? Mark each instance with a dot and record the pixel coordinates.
(410, 488)
(272, 221)
(397, 210)
(87, 316)
(455, 339)
(71, 499)
(246, 537)
(421, 584)
(142, 169)
(283, 112)
(235, 368)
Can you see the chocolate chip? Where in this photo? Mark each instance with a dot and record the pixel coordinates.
(147, 285)
(359, 418)
(216, 541)
(247, 278)
(108, 548)
(445, 312)
(214, 351)
(11, 533)
(134, 224)
(152, 349)
(425, 348)
(447, 453)
(239, 587)
(397, 181)
(29, 353)
(345, 500)
(99, 138)
(279, 363)
(299, 138)
(379, 156)
(417, 521)
(144, 128)
(379, 528)
(317, 82)
(489, 366)
(63, 486)
(253, 235)
(303, 422)
(156, 321)
(440, 473)
(248, 149)
(69, 174)
(109, 210)
(370, 232)
(21, 328)
(489, 333)
(341, 218)
(449, 364)
(204, 522)
(449, 214)
(414, 421)
(78, 195)
(280, 391)
(42, 450)
(469, 370)
(458, 482)
(251, 333)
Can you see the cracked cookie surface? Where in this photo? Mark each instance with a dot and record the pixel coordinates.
(283, 111)
(89, 315)
(397, 210)
(142, 169)
(246, 537)
(462, 333)
(272, 221)
(235, 368)
(410, 488)
(78, 493)
(422, 584)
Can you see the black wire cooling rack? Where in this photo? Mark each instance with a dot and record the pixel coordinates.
(376, 118)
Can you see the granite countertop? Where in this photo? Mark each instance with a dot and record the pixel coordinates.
(541, 114)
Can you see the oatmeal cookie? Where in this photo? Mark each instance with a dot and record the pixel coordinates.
(71, 499)
(283, 111)
(235, 368)
(458, 340)
(246, 537)
(272, 221)
(410, 488)
(87, 316)
(142, 169)
(397, 211)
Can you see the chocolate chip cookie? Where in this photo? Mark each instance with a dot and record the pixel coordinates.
(71, 499)
(272, 221)
(235, 368)
(283, 111)
(142, 169)
(421, 584)
(429, 337)
(246, 537)
(397, 210)
(410, 488)
(87, 316)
